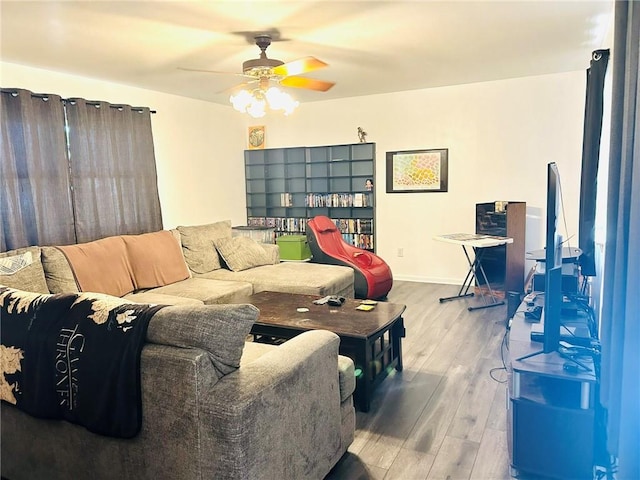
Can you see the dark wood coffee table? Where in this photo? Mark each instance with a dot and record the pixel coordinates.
(371, 339)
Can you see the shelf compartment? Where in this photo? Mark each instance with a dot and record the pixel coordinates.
(275, 171)
(275, 185)
(340, 152)
(295, 155)
(362, 168)
(256, 212)
(319, 185)
(317, 170)
(318, 154)
(296, 170)
(358, 184)
(255, 172)
(363, 151)
(340, 184)
(275, 155)
(255, 186)
(255, 157)
(339, 169)
(257, 200)
(297, 185)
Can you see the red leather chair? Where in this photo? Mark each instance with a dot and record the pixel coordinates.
(372, 276)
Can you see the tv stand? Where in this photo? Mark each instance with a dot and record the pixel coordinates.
(550, 408)
(563, 355)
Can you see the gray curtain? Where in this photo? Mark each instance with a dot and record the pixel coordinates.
(113, 170)
(35, 203)
(590, 158)
(620, 334)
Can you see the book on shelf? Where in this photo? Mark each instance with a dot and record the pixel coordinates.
(286, 200)
(336, 200)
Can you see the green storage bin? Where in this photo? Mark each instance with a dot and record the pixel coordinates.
(293, 247)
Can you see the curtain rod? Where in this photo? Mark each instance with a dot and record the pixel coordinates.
(45, 97)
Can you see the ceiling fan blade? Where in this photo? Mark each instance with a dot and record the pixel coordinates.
(308, 83)
(304, 65)
(214, 71)
(236, 88)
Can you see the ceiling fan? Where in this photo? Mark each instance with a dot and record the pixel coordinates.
(264, 70)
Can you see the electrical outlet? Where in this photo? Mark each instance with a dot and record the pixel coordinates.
(401, 252)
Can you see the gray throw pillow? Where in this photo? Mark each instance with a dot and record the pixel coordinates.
(198, 245)
(22, 269)
(58, 272)
(242, 253)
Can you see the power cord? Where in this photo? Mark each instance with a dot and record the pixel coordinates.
(503, 346)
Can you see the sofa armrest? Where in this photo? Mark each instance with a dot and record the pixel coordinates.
(286, 401)
(274, 252)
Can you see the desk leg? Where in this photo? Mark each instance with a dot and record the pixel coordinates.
(466, 284)
(477, 267)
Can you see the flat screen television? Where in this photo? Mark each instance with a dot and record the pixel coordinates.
(553, 297)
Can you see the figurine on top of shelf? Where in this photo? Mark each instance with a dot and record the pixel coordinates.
(368, 184)
(362, 135)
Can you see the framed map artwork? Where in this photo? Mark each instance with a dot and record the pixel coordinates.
(418, 171)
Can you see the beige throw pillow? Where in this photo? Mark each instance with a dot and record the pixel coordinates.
(155, 258)
(198, 245)
(242, 253)
(22, 269)
(101, 266)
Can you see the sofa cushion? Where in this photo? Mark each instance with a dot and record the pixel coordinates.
(101, 266)
(22, 269)
(254, 350)
(207, 291)
(293, 277)
(198, 245)
(57, 271)
(241, 253)
(155, 259)
(220, 330)
(150, 296)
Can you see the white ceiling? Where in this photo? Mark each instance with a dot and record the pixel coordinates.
(371, 47)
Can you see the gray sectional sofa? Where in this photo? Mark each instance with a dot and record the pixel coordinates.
(215, 406)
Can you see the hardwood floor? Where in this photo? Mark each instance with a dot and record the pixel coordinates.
(443, 416)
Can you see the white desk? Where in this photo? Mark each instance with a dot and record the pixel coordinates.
(477, 243)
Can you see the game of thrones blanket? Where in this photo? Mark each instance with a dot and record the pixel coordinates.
(74, 357)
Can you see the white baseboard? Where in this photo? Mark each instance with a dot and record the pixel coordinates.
(421, 279)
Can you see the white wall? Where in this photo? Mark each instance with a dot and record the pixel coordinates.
(500, 136)
(198, 145)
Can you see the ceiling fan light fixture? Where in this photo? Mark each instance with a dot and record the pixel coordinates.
(279, 100)
(257, 108)
(246, 102)
(255, 102)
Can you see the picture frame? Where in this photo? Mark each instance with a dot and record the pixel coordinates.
(256, 137)
(418, 171)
